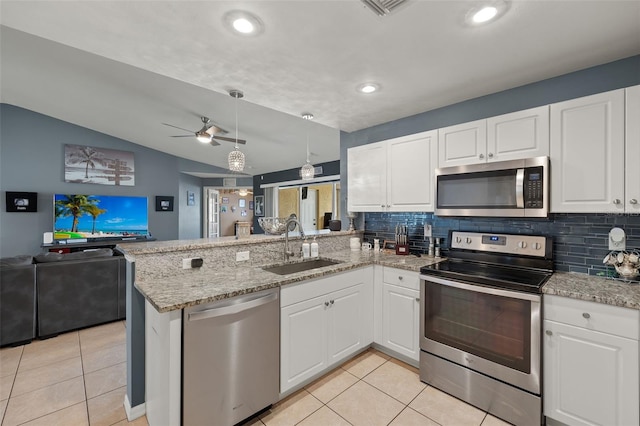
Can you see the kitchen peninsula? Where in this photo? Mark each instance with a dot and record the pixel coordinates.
(169, 289)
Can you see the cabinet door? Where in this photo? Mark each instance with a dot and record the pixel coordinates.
(590, 377)
(345, 322)
(462, 144)
(632, 149)
(521, 134)
(303, 341)
(400, 320)
(587, 154)
(411, 162)
(367, 178)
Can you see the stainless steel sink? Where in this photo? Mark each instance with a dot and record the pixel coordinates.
(292, 268)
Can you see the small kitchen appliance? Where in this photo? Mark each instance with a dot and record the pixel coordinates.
(480, 322)
(516, 188)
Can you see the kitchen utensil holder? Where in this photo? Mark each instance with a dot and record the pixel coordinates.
(402, 249)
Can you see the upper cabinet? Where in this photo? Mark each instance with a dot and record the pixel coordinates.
(632, 150)
(393, 175)
(588, 154)
(521, 134)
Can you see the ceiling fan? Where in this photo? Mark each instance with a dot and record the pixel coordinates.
(208, 133)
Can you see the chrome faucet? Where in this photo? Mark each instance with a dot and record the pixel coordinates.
(288, 253)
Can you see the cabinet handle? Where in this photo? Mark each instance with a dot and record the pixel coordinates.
(388, 205)
(633, 201)
(616, 201)
(491, 155)
(331, 301)
(481, 156)
(326, 303)
(586, 315)
(549, 333)
(400, 277)
(382, 205)
(417, 299)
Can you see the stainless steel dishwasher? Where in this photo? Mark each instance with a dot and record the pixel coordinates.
(230, 358)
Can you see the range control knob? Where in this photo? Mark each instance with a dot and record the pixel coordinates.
(537, 246)
(522, 244)
(468, 240)
(458, 240)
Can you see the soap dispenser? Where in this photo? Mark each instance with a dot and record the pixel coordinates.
(314, 248)
(305, 250)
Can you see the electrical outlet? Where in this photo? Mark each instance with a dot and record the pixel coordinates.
(427, 230)
(617, 239)
(242, 256)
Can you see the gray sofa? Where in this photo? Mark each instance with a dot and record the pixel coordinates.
(78, 290)
(17, 300)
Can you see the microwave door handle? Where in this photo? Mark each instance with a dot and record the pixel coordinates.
(520, 188)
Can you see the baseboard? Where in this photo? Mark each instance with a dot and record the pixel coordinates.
(134, 412)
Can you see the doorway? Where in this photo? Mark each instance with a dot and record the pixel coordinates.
(212, 213)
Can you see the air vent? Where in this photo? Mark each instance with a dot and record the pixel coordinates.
(383, 7)
(229, 182)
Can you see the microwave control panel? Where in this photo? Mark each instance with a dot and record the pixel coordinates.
(533, 188)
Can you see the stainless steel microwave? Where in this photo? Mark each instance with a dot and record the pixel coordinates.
(516, 188)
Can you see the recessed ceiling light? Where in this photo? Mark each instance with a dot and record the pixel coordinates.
(485, 14)
(243, 23)
(368, 87)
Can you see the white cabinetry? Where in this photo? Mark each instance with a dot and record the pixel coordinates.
(397, 312)
(591, 373)
(521, 134)
(393, 175)
(587, 154)
(632, 150)
(323, 322)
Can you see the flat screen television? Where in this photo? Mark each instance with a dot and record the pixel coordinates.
(99, 217)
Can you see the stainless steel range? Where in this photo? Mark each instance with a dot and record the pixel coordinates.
(480, 322)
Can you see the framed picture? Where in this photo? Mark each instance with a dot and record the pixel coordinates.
(258, 204)
(225, 200)
(191, 198)
(243, 213)
(241, 202)
(88, 164)
(389, 246)
(164, 203)
(22, 202)
(250, 205)
(223, 209)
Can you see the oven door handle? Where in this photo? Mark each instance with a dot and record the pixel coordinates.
(482, 289)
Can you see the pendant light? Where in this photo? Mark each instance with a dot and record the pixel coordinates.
(236, 157)
(307, 171)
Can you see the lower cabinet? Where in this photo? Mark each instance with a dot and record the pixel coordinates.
(322, 323)
(397, 312)
(591, 364)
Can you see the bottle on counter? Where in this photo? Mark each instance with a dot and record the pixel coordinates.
(306, 250)
(315, 249)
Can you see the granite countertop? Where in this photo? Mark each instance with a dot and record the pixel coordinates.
(594, 289)
(168, 290)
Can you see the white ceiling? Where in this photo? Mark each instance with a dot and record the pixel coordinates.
(125, 67)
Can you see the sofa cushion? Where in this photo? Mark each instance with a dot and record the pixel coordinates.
(23, 259)
(78, 255)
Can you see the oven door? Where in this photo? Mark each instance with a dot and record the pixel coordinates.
(492, 331)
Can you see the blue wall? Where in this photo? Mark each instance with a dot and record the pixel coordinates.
(580, 240)
(31, 160)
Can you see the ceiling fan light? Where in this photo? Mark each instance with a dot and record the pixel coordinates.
(236, 160)
(243, 192)
(307, 171)
(203, 137)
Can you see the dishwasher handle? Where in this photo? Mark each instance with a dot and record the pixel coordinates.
(233, 309)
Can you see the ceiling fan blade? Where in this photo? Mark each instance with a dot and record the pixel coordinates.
(182, 136)
(181, 128)
(213, 143)
(222, 138)
(212, 129)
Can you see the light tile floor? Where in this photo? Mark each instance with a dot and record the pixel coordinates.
(76, 378)
(373, 389)
(79, 378)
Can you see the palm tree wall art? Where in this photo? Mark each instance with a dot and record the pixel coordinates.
(86, 164)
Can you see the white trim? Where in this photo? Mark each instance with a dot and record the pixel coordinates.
(133, 412)
(302, 182)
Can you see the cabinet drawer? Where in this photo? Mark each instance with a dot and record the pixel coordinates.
(609, 319)
(401, 278)
(308, 289)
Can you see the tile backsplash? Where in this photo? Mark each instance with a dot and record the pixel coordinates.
(580, 241)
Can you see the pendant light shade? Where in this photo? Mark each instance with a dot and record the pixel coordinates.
(307, 171)
(236, 157)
